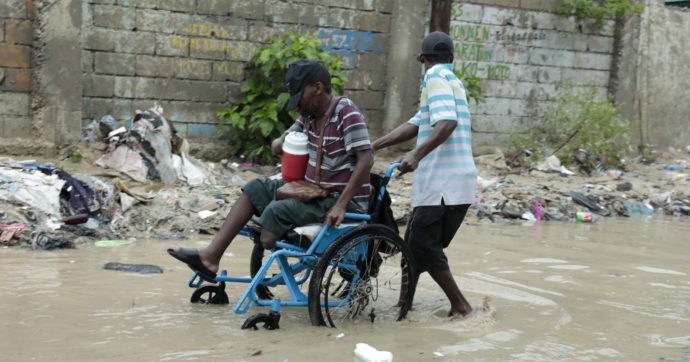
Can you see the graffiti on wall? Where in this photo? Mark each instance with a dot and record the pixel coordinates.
(476, 45)
(346, 43)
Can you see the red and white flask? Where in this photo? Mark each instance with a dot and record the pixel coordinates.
(295, 157)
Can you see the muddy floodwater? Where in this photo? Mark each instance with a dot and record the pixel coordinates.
(615, 290)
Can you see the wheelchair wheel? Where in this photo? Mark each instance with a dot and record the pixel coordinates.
(255, 263)
(360, 277)
(210, 294)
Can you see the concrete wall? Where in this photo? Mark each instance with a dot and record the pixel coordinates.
(16, 33)
(525, 54)
(65, 63)
(191, 54)
(653, 92)
(40, 83)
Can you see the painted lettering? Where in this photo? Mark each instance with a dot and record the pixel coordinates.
(470, 32)
(471, 51)
(206, 30)
(498, 72)
(512, 37)
(346, 43)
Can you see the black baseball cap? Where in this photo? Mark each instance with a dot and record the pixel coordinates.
(437, 43)
(300, 74)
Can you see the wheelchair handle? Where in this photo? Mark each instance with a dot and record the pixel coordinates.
(392, 167)
(386, 177)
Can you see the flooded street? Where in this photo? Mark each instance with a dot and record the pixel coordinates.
(618, 289)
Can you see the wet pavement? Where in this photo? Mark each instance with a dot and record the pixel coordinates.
(617, 289)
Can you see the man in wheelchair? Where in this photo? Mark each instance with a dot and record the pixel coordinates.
(337, 130)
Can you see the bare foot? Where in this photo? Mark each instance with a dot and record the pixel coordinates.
(460, 312)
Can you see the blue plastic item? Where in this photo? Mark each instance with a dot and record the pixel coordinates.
(675, 167)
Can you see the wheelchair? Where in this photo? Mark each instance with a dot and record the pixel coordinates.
(357, 272)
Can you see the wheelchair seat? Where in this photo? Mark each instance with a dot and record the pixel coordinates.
(301, 236)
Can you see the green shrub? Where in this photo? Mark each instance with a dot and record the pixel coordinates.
(473, 86)
(259, 116)
(598, 10)
(578, 124)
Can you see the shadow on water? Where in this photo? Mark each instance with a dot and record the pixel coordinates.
(612, 290)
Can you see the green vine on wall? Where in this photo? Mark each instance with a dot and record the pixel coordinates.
(473, 87)
(598, 11)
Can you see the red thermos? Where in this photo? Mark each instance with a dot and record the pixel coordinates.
(295, 156)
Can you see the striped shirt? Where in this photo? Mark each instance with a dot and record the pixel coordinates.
(447, 174)
(345, 134)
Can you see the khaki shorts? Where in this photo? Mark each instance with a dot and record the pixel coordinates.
(279, 216)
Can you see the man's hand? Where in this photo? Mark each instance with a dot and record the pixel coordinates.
(409, 162)
(277, 144)
(335, 215)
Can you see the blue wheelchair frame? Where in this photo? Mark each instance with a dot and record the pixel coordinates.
(286, 276)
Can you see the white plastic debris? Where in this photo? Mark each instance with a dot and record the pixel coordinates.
(340, 336)
(528, 216)
(367, 353)
(553, 164)
(204, 214)
(438, 354)
(116, 132)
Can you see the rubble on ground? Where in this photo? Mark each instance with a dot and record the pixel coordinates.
(139, 183)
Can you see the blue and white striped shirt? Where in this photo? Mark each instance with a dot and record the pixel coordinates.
(448, 172)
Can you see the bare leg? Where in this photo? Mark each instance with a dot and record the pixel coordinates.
(268, 239)
(239, 215)
(458, 303)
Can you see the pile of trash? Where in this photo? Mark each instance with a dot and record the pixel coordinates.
(37, 198)
(548, 191)
(149, 150)
(147, 186)
(139, 182)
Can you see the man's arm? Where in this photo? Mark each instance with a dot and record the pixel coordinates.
(402, 133)
(440, 134)
(360, 176)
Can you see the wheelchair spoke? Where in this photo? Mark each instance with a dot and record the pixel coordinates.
(361, 280)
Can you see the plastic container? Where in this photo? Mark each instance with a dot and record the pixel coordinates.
(538, 210)
(295, 157)
(584, 216)
(367, 353)
(675, 167)
(616, 174)
(639, 208)
(676, 176)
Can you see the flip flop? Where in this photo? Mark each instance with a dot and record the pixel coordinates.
(193, 261)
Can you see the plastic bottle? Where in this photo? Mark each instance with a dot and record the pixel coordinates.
(584, 216)
(674, 167)
(677, 176)
(295, 156)
(538, 209)
(616, 174)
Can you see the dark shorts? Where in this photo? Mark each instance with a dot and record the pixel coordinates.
(430, 230)
(279, 216)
